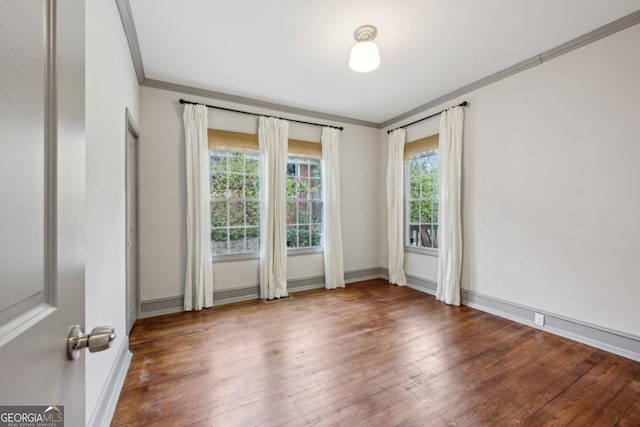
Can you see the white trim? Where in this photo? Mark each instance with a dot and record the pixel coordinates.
(174, 304)
(615, 342)
(106, 405)
(583, 40)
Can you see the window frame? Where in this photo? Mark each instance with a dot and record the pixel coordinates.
(231, 141)
(408, 247)
(247, 254)
(297, 250)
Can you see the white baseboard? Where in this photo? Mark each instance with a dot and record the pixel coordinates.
(615, 342)
(110, 393)
(161, 306)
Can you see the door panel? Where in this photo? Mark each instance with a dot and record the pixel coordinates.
(22, 155)
(42, 208)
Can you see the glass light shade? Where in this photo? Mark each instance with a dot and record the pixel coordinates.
(364, 57)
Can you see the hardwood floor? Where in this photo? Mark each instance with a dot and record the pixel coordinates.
(368, 355)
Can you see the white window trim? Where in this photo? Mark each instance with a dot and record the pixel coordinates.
(407, 214)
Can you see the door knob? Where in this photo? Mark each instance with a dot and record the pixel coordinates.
(99, 339)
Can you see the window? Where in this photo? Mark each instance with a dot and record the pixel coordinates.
(234, 163)
(235, 201)
(304, 202)
(421, 190)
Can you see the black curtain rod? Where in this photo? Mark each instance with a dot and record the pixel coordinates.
(462, 104)
(182, 101)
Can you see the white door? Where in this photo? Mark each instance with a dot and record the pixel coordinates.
(132, 223)
(41, 203)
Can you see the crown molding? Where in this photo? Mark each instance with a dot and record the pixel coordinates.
(126, 16)
(159, 84)
(132, 38)
(585, 39)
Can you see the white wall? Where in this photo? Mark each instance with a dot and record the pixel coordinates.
(111, 86)
(551, 201)
(162, 195)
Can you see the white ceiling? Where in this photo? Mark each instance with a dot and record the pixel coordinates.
(295, 52)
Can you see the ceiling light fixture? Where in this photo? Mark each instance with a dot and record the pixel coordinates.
(365, 56)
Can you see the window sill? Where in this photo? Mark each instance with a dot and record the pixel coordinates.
(235, 257)
(256, 255)
(304, 251)
(421, 251)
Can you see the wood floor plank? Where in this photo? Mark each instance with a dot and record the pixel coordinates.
(369, 355)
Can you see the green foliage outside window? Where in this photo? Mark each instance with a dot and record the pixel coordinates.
(235, 205)
(304, 202)
(235, 202)
(422, 199)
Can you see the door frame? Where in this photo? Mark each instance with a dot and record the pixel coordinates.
(131, 128)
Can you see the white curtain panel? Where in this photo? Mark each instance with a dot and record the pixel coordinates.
(450, 225)
(273, 138)
(395, 206)
(198, 287)
(333, 259)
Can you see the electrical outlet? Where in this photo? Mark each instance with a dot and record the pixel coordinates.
(538, 319)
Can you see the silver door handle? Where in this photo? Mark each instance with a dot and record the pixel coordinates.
(99, 339)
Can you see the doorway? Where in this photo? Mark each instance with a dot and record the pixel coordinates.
(131, 238)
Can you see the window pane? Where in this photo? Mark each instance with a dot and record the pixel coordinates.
(304, 169)
(218, 214)
(413, 234)
(427, 188)
(251, 164)
(434, 179)
(316, 212)
(291, 187)
(415, 212)
(434, 212)
(315, 169)
(218, 185)
(432, 162)
(292, 236)
(217, 162)
(253, 213)
(425, 236)
(236, 213)
(303, 236)
(236, 184)
(253, 239)
(219, 241)
(291, 212)
(291, 168)
(303, 213)
(252, 189)
(414, 181)
(315, 189)
(303, 189)
(236, 240)
(425, 211)
(316, 235)
(434, 234)
(236, 163)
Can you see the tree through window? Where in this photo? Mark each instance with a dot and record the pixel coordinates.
(422, 199)
(304, 202)
(235, 202)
